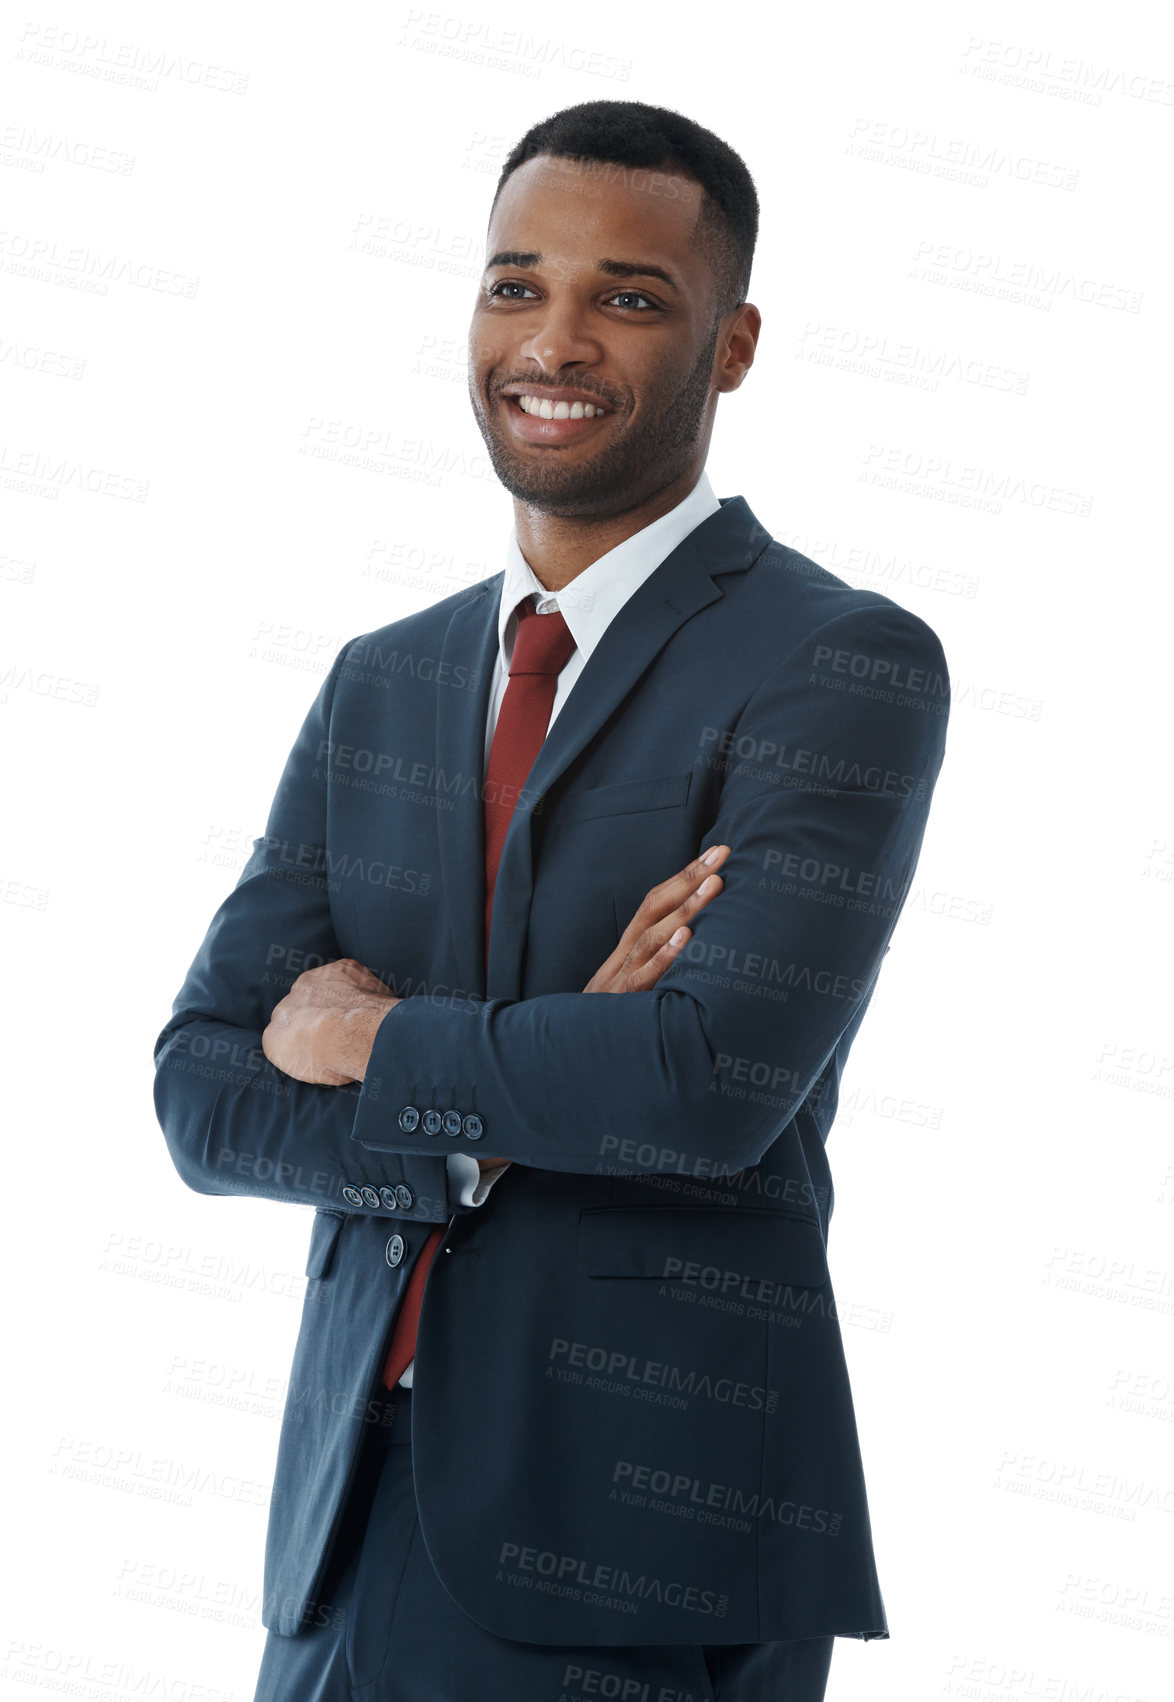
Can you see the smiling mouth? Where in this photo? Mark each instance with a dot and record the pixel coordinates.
(541, 407)
(543, 424)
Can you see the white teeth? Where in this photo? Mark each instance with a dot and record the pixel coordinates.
(546, 410)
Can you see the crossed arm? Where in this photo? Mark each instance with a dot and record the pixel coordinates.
(324, 1029)
(813, 880)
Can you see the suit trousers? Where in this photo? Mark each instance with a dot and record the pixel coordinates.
(385, 1629)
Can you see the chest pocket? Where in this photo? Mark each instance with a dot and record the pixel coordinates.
(659, 792)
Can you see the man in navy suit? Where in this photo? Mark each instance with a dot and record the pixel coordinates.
(569, 1415)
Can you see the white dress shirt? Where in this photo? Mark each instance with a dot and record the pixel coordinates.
(588, 604)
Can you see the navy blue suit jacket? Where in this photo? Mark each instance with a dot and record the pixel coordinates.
(632, 1418)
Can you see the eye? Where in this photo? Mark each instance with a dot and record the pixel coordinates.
(509, 284)
(626, 300)
(634, 295)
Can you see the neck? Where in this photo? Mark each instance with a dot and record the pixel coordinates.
(559, 547)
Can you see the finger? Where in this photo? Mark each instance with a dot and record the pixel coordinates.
(652, 938)
(692, 874)
(697, 900)
(661, 901)
(668, 894)
(664, 903)
(642, 979)
(355, 974)
(353, 969)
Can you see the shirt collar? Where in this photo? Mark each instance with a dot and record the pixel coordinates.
(594, 597)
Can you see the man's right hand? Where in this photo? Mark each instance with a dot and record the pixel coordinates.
(647, 947)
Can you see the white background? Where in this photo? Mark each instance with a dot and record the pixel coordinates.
(960, 399)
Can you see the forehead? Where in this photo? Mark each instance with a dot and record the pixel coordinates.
(578, 212)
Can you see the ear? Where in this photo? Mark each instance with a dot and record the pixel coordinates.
(736, 344)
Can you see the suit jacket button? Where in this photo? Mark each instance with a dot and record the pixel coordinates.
(395, 1250)
(404, 1196)
(388, 1199)
(432, 1120)
(352, 1196)
(408, 1119)
(452, 1122)
(371, 1197)
(474, 1127)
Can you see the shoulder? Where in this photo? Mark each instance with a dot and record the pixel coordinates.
(804, 604)
(421, 628)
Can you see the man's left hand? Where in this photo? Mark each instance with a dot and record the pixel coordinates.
(324, 1028)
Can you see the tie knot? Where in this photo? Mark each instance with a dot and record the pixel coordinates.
(543, 644)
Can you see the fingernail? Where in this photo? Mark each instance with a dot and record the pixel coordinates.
(678, 938)
(712, 855)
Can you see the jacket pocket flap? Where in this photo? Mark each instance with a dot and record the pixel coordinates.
(660, 792)
(323, 1236)
(716, 1250)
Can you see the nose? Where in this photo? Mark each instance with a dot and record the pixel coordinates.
(557, 337)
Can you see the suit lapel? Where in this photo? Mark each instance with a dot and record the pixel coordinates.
(727, 542)
(470, 643)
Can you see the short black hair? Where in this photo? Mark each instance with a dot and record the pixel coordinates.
(631, 133)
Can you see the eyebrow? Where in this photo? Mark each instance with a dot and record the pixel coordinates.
(527, 259)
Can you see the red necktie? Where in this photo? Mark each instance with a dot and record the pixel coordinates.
(543, 645)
